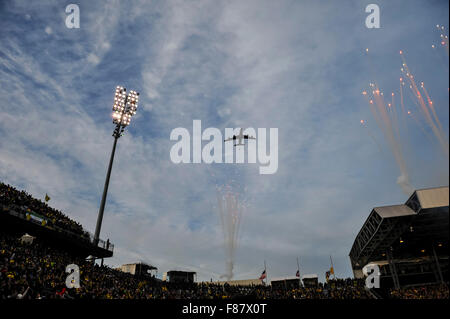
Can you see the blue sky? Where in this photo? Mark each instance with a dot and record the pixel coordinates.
(298, 66)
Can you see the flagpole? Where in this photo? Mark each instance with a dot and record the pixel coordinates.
(334, 276)
(265, 270)
(299, 276)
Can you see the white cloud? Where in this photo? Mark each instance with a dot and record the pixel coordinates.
(259, 64)
(92, 58)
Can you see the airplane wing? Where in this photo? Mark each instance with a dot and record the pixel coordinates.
(230, 139)
(249, 137)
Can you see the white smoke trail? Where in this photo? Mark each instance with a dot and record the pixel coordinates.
(388, 127)
(403, 181)
(230, 211)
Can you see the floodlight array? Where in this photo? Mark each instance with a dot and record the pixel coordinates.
(124, 106)
(131, 106)
(119, 104)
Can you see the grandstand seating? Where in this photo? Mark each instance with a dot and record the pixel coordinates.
(22, 212)
(35, 269)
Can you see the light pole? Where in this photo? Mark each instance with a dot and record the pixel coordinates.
(123, 109)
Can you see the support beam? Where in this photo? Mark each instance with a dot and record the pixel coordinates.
(438, 266)
(394, 274)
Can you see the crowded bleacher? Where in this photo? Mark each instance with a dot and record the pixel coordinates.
(11, 198)
(36, 269)
(422, 292)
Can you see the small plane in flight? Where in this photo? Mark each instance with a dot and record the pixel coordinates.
(240, 137)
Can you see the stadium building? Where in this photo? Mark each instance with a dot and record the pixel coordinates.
(176, 276)
(287, 283)
(238, 282)
(139, 269)
(310, 281)
(408, 242)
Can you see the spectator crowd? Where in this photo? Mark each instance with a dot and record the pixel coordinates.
(37, 270)
(423, 292)
(11, 198)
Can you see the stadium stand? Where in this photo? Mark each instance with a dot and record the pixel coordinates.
(21, 212)
(37, 271)
(21, 201)
(408, 242)
(33, 267)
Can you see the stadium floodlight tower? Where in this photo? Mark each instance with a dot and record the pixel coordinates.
(123, 109)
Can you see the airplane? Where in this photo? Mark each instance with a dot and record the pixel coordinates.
(240, 137)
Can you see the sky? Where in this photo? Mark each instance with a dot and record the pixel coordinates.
(299, 66)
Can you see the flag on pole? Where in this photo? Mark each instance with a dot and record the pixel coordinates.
(263, 275)
(47, 198)
(332, 268)
(297, 274)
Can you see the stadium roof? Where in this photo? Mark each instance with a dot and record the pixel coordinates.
(382, 226)
(285, 278)
(394, 211)
(237, 282)
(140, 263)
(425, 214)
(433, 197)
(174, 272)
(310, 276)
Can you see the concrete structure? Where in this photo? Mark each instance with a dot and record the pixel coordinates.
(287, 283)
(181, 276)
(139, 269)
(409, 242)
(240, 282)
(311, 280)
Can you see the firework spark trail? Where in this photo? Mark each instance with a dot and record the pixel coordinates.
(430, 104)
(421, 127)
(411, 93)
(230, 210)
(443, 42)
(402, 105)
(373, 88)
(413, 99)
(401, 95)
(379, 110)
(374, 113)
(424, 108)
(415, 102)
(388, 130)
(417, 120)
(395, 116)
(442, 59)
(371, 64)
(372, 136)
(388, 118)
(372, 106)
(444, 37)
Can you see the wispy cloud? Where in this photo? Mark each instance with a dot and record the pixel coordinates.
(297, 66)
